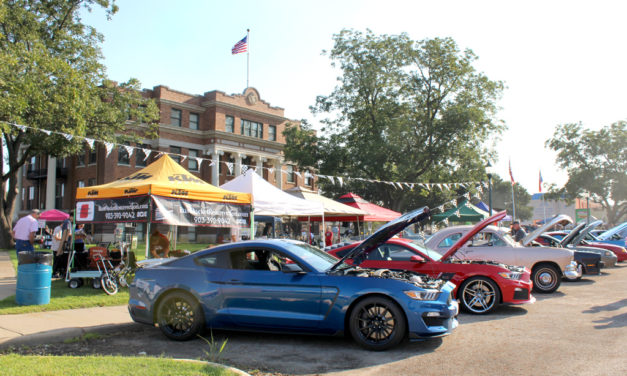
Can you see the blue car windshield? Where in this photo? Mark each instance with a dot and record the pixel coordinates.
(315, 257)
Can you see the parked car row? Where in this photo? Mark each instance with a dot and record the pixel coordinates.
(378, 291)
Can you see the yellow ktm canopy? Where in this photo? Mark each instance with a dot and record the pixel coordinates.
(166, 178)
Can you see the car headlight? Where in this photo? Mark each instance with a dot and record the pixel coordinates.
(608, 253)
(624, 250)
(423, 295)
(512, 275)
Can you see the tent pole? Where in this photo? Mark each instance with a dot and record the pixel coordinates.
(176, 234)
(252, 223)
(147, 238)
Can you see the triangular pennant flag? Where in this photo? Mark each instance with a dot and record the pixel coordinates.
(411, 186)
(446, 221)
(340, 180)
(211, 163)
(146, 153)
(229, 165)
(68, 137)
(129, 150)
(22, 128)
(271, 170)
(447, 186)
(297, 174)
(109, 147)
(400, 186)
(199, 161)
(331, 178)
(457, 213)
(90, 142)
(46, 132)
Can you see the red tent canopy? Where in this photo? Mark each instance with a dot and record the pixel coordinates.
(54, 215)
(376, 213)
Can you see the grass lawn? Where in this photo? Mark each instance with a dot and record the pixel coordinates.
(102, 365)
(63, 297)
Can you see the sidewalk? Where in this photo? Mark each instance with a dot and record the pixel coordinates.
(53, 326)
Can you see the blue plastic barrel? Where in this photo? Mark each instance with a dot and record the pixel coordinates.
(34, 274)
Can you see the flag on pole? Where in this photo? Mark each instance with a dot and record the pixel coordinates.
(511, 176)
(540, 181)
(241, 46)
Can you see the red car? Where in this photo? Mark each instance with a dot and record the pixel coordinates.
(481, 285)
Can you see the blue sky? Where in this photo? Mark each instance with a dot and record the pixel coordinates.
(562, 61)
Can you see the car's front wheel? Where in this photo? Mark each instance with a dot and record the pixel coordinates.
(479, 295)
(377, 323)
(179, 316)
(546, 278)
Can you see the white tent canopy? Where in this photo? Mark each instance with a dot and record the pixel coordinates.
(332, 208)
(269, 200)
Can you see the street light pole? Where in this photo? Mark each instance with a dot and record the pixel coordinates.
(489, 171)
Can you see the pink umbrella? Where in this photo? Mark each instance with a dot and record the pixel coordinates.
(54, 215)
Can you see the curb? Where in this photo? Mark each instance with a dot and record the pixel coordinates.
(60, 335)
(228, 368)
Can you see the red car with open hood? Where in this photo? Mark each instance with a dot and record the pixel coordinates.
(481, 285)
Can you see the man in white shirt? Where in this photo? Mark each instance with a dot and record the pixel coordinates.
(24, 232)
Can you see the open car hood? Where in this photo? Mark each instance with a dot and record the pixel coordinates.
(473, 231)
(359, 253)
(561, 219)
(582, 235)
(568, 239)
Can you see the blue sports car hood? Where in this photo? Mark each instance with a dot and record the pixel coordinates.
(359, 253)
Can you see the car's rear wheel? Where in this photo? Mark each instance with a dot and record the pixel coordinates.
(179, 316)
(377, 323)
(546, 278)
(479, 295)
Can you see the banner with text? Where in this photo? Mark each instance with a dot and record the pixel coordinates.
(200, 213)
(113, 210)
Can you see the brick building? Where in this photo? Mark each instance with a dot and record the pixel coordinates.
(237, 130)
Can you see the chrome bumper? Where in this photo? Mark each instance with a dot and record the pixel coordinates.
(571, 271)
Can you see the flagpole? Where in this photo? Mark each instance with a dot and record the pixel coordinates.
(247, 57)
(513, 204)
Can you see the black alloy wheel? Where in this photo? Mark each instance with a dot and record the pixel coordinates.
(377, 323)
(179, 316)
(546, 278)
(479, 295)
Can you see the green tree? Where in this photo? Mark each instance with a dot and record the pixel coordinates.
(405, 111)
(502, 198)
(596, 163)
(51, 77)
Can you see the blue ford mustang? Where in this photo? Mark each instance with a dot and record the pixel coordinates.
(289, 286)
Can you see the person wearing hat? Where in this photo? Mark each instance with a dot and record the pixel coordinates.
(24, 232)
(517, 232)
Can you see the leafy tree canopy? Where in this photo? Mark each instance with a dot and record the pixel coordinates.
(52, 77)
(596, 163)
(404, 111)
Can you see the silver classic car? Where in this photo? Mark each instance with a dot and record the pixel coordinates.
(547, 265)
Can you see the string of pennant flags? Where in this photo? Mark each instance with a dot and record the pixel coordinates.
(340, 180)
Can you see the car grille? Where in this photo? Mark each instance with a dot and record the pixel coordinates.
(523, 294)
(435, 321)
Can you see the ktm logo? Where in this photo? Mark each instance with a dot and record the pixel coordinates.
(230, 197)
(130, 190)
(93, 192)
(180, 192)
(138, 176)
(184, 178)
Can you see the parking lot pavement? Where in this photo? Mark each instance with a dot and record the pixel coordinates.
(581, 330)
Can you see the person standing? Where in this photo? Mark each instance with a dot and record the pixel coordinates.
(59, 262)
(517, 232)
(328, 237)
(24, 232)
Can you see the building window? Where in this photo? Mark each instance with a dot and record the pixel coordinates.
(140, 156)
(290, 174)
(31, 193)
(59, 193)
(91, 182)
(80, 184)
(80, 160)
(31, 165)
(272, 132)
(93, 155)
(228, 124)
(175, 117)
(176, 150)
(308, 179)
(192, 164)
(193, 121)
(123, 157)
(251, 128)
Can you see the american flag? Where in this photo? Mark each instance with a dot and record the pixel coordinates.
(241, 46)
(511, 176)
